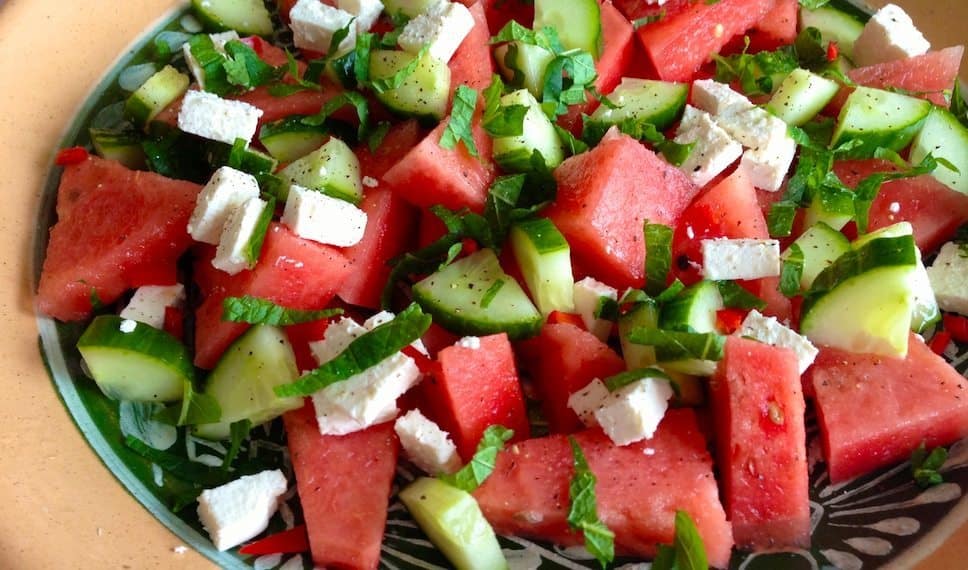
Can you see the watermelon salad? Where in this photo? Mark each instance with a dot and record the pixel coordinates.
(586, 266)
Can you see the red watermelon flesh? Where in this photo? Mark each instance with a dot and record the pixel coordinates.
(930, 74)
(398, 141)
(605, 194)
(761, 445)
(639, 488)
(777, 28)
(115, 226)
(472, 64)
(646, 9)
(679, 44)
(292, 272)
(474, 388)
(919, 398)
(344, 485)
(562, 360)
(500, 12)
(934, 210)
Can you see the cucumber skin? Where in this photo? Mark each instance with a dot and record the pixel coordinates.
(895, 136)
(546, 12)
(955, 148)
(205, 14)
(687, 310)
(170, 82)
(675, 94)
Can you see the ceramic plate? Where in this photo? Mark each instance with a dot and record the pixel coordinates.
(866, 523)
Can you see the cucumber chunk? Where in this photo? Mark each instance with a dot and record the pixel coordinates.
(523, 65)
(538, 134)
(835, 25)
(332, 169)
(878, 118)
(133, 361)
(423, 94)
(246, 159)
(289, 139)
(243, 381)
(821, 246)
(122, 146)
(159, 91)
(801, 96)
(694, 309)
(578, 23)
(474, 296)
(863, 302)
(248, 17)
(656, 102)
(943, 136)
(545, 260)
(453, 521)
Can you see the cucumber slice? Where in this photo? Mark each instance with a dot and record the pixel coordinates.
(863, 302)
(409, 8)
(243, 381)
(248, 17)
(523, 65)
(801, 96)
(159, 91)
(241, 158)
(821, 246)
(122, 146)
(656, 102)
(944, 137)
(453, 521)
(545, 260)
(879, 118)
(514, 153)
(835, 25)
(289, 138)
(473, 296)
(694, 309)
(578, 23)
(134, 361)
(423, 94)
(332, 169)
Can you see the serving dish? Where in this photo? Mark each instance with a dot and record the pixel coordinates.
(61, 495)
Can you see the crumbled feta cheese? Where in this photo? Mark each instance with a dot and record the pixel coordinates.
(237, 511)
(324, 219)
(716, 98)
(714, 148)
(894, 207)
(148, 303)
(889, 35)
(366, 12)
(426, 445)
(128, 326)
(370, 182)
(313, 25)
(586, 401)
(381, 318)
(211, 117)
(771, 148)
(240, 226)
(443, 27)
(770, 331)
(226, 190)
(633, 412)
(219, 40)
(588, 294)
(740, 258)
(471, 342)
(949, 278)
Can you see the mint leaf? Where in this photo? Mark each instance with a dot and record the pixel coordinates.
(238, 431)
(356, 100)
(959, 107)
(257, 311)
(814, 4)
(500, 120)
(244, 68)
(623, 379)
(253, 249)
(365, 351)
(677, 345)
(299, 83)
(792, 271)
(583, 511)
(480, 467)
(867, 189)
(396, 80)
(735, 296)
(658, 256)
(546, 37)
(178, 467)
(925, 466)
(566, 79)
(756, 73)
(212, 62)
(459, 126)
(607, 308)
(491, 293)
(687, 551)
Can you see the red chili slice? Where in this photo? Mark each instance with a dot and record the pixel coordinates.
(72, 155)
(957, 327)
(558, 317)
(939, 342)
(292, 541)
(832, 51)
(729, 320)
(175, 322)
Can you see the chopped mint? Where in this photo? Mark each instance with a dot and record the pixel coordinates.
(583, 511)
(926, 466)
(658, 256)
(792, 271)
(676, 345)
(687, 551)
(735, 296)
(238, 432)
(480, 467)
(257, 311)
(459, 127)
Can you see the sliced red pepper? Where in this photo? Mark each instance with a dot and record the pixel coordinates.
(175, 322)
(468, 246)
(72, 155)
(558, 317)
(292, 541)
(729, 320)
(957, 327)
(832, 51)
(939, 342)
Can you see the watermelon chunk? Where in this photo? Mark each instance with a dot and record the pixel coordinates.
(777, 28)
(649, 9)
(928, 75)
(292, 272)
(562, 360)
(761, 445)
(395, 145)
(474, 388)
(116, 229)
(344, 485)
(500, 12)
(637, 494)
(920, 398)
(472, 64)
(604, 196)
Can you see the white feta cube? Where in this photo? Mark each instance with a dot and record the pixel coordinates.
(949, 278)
(240, 227)
(238, 511)
(588, 294)
(219, 40)
(442, 27)
(768, 165)
(740, 258)
(714, 151)
(226, 190)
(337, 337)
(771, 148)
(585, 402)
(715, 97)
(770, 331)
(209, 116)
(366, 12)
(426, 445)
(324, 219)
(313, 25)
(148, 303)
(633, 412)
(889, 35)
(470, 342)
